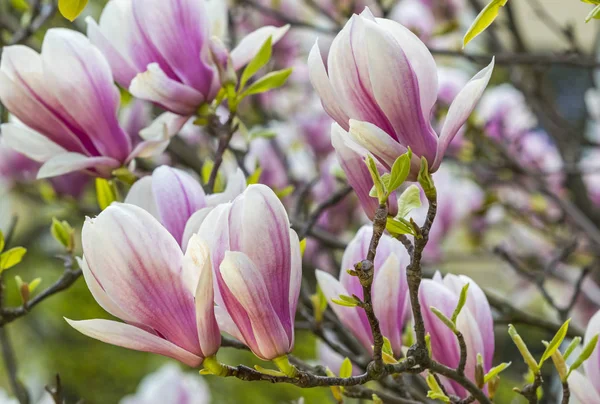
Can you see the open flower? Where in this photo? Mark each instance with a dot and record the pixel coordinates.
(178, 200)
(137, 272)
(475, 322)
(67, 102)
(380, 85)
(586, 389)
(257, 266)
(390, 289)
(161, 49)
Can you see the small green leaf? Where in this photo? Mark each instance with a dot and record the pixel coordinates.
(34, 284)
(428, 343)
(559, 363)
(319, 302)
(381, 191)
(269, 372)
(387, 347)
(483, 20)
(346, 301)
(20, 5)
(461, 302)
(255, 176)
(63, 233)
(426, 180)
(302, 246)
(522, 347)
(12, 257)
(436, 392)
(400, 170)
(70, 9)
(396, 227)
(260, 59)
(574, 344)
(346, 368)
(283, 192)
(207, 168)
(268, 82)
(2, 241)
(409, 200)
(584, 355)
(444, 319)
(595, 13)
(495, 371)
(106, 193)
(555, 343)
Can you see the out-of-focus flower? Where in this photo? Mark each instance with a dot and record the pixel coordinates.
(331, 359)
(257, 266)
(586, 389)
(67, 102)
(380, 86)
(416, 16)
(170, 385)
(390, 289)
(137, 272)
(474, 322)
(161, 49)
(178, 200)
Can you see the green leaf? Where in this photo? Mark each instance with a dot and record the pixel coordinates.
(461, 302)
(409, 200)
(346, 301)
(207, 168)
(2, 241)
(555, 343)
(400, 170)
(70, 9)
(302, 246)
(268, 82)
(12, 257)
(255, 176)
(522, 347)
(396, 227)
(283, 192)
(260, 59)
(319, 302)
(495, 371)
(34, 284)
(387, 347)
(346, 368)
(483, 20)
(106, 193)
(584, 355)
(380, 189)
(426, 180)
(63, 233)
(595, 13)
(269, 372)
(436, 392)
(444, 319)
(574, 344)
(20, 5)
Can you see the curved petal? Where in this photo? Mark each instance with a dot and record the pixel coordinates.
(178, 196)
(236, 184)
(461, 108)
(350, 317)
(29, 142)
(166, 122)
(227, 325)
(70, 162)
(592, 365)
(395, 88)
(246, 285)
(193, 225)
(295, 277)
(131, 337)
(198, 257)
(376, 141)
(582, 389)
(141, 195)
(139, 265)
(249, 46)
(322, 85)
(80, 78)
(154, 85)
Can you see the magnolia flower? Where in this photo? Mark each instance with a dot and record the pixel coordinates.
(67, 101)
(257, 268)
(170, 385)
(137, 272)
(380, 86)
(162, 51)
(178, 200)
(416, 16)
(586, 389)
(390, 289)
(474, 322)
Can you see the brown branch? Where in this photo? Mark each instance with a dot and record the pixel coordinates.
(230, 128)
(566, 393)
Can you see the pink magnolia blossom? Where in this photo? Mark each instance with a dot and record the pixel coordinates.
(475, 322)
(162, 51)
(137, 272)
(257, 269)
(390, 289)
(67, 102)
(586, 389)
(178, 200)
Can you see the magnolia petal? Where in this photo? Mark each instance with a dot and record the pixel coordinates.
(592, 365)
(141, 195)
(198, 257)
(29, 142)
(249, 46)
(70, 162)
(131, 337)
(376, 141)
(193, 225)
(582, 389)
(349, 316)
(227, 325)
(218, 17)
(154, 85)
(236, 184)
(166, 122)
(178, 196)
(295, 279)
(461, 108)
(322, 85)
(246, 285)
